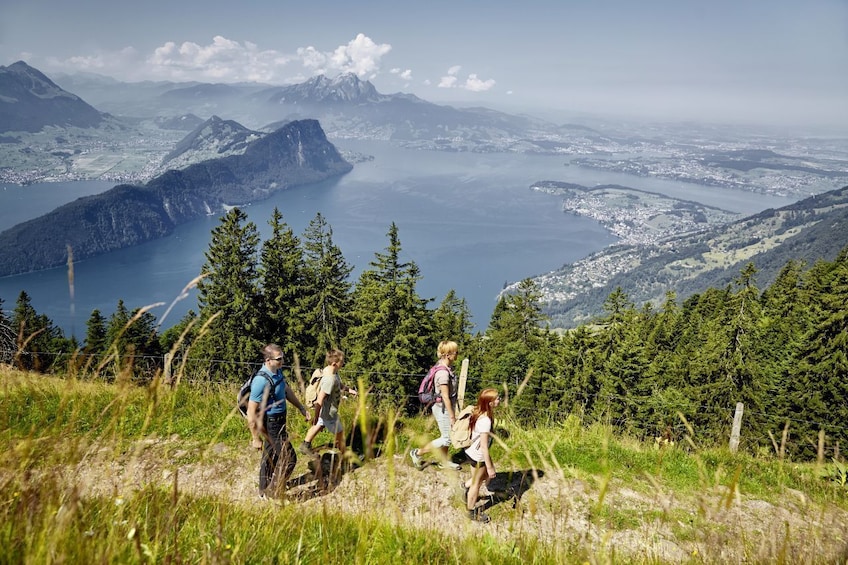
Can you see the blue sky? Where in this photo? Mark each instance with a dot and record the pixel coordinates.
(740, 61)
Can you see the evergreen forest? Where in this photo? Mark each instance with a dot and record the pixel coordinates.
(666, 370)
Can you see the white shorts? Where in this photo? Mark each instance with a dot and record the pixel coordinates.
(333, 426)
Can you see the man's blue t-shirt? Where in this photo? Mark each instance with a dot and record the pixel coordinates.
(276, 399)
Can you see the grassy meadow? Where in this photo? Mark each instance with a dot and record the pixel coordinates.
(96, 472)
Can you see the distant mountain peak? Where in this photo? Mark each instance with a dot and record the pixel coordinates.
(29, 101)
(212, 139)
(344, 88)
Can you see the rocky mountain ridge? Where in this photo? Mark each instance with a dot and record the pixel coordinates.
(212, 139)
(128, 215)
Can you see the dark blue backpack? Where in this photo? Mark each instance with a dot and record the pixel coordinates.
(243, 396)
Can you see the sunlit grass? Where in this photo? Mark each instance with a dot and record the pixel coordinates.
(614, 486)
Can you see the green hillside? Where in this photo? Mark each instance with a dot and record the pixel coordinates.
(812, 229)
(97, 472)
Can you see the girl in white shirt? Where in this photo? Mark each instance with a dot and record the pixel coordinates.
(482, 468)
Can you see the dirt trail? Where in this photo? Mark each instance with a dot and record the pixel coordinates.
(545, 504)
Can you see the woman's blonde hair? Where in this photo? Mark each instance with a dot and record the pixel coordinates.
(447, 348)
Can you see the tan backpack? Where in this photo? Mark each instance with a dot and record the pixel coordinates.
(310, 395)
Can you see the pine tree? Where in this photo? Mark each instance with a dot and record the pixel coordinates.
(391, 337)
(820, 380)
(664, 386)
(738, 375)
(785, 321)
(37, 340)
(513, 334)
(95, 334)
(228, 298)
(281, 275)
(325, 301)
(620, 351)
(116, 329)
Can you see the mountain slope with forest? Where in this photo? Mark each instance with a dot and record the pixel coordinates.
(812, 229)
(128, 215)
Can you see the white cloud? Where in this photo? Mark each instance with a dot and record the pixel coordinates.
(223, 60)
(360, 56)
(472, 82)
(227, 60)
(447, 82)
(405, 75)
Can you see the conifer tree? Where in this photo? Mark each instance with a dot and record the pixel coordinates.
(116, 329)
(785, 321)
(579, 372)
(391, 338)
(619, 350)
(36, 336)
(820, 381)
(452, 320)
(325, 300)
(664, 387)
(281, 270)
(513, 334)
(228, 298)
(737, 376)
(95, 334)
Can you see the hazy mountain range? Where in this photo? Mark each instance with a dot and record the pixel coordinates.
(345, 105)
(261, 143)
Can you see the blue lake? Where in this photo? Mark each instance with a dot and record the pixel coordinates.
(469, 221)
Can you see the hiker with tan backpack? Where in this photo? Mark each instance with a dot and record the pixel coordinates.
(482, 468)
(326, 404)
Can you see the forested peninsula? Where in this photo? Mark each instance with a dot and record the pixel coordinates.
(298, 153)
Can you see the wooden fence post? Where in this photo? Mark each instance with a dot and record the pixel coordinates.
(783, 440)
(820, 457)
(737, 427)
(167, 369)
(463, 377)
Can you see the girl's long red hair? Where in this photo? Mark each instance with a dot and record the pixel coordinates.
(485, 400)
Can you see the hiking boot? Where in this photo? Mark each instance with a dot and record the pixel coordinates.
(477, 515)
(450, 465)
(306, 449)
(416, 460)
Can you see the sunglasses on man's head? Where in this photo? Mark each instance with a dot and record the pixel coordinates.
(280, 358)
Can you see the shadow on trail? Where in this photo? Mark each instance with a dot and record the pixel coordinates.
(510, 486)
(327, 467)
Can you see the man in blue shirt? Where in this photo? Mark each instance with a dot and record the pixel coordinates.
(266, 418)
